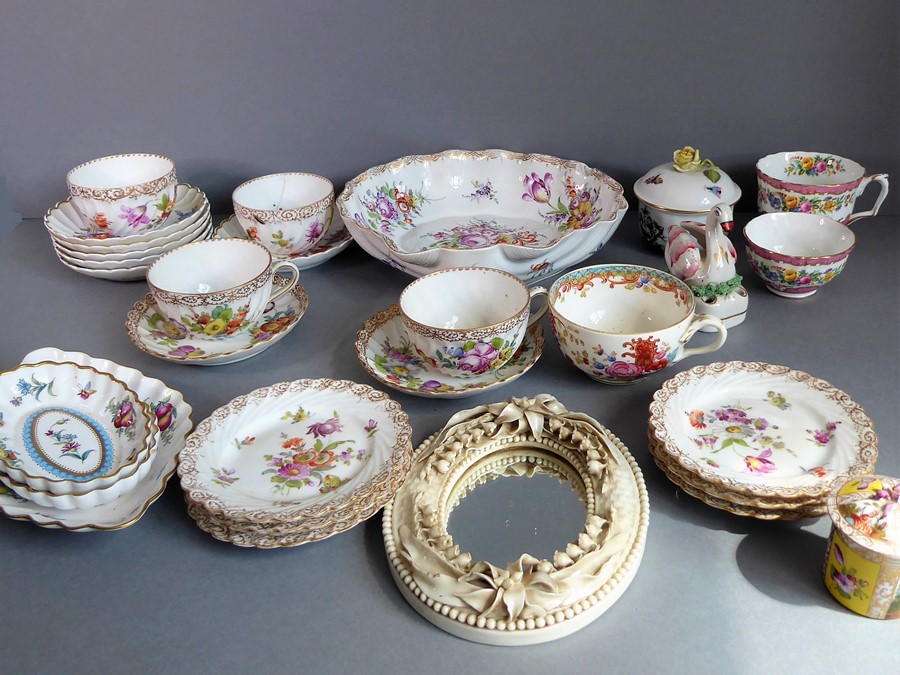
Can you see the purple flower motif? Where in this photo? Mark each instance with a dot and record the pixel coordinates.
(135, 216)
(345, 455)
(478, 359)
(359, 219)
(384, 207)
(315, 231)
(326, 428)
(731, 415)
(430, 385)
(474, 240)
(371, 426)
(71, 446)
(184, 351)
(761, 463)
(624, 369)
(537, 189)
(294, 470)
(760, 424)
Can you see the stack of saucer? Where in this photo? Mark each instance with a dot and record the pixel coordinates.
(295, 462)
(124, 212)
(87, 444)
(757, 439)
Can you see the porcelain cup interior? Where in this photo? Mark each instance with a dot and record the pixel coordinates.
(286, 212)
(468, 321)
(123, 195)
(815, 182)
(796, 253)
(620, 323)
(216, 286)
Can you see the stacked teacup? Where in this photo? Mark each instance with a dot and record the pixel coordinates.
(78, 437)
(123, 212)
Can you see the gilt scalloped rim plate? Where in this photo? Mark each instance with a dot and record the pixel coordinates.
(762, 430)
(335, 240)
(316, 456)
(529, 600)
(174, 419)
(383, 349)
(171, 340)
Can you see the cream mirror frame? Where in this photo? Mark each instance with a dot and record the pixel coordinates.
(530, 600)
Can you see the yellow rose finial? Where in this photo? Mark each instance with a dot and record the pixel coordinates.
(686, 159)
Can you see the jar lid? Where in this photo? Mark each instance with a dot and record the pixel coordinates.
(867, 510)
(687, 184)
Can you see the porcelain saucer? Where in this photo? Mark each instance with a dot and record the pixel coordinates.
(171, 341)
(336, 239)
(385, 352)
(174, 416)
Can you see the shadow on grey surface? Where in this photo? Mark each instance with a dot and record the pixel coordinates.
(378, 562)
(785, 562)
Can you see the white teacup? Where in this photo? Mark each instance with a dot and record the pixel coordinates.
(216, 286)
(468, 321)
(815, 182)
(122, 195)
(620, 323)
(288, 213)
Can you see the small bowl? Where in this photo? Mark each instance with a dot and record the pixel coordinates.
(288, 213)
(70, 429)
(797, 253)
(124, 195)
(862, 567)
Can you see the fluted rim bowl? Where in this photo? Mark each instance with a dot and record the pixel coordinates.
(797, 253)
(123, 195)
(523, 213)
(69, 429)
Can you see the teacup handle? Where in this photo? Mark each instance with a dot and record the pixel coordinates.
(534, 293)
(882, 180)
(293, 272)
(697, 322)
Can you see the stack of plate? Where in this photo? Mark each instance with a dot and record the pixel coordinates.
(127, 258)
(295, 462)
(757, 439)
(87, 444)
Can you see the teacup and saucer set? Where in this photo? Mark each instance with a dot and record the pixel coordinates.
(455, 333)
(123, 212)
(291, 214)
(208, 315)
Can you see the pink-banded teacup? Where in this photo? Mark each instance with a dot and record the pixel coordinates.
(815, 182)
(468, 321)
(216, 286)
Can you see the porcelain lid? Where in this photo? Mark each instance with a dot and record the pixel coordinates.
(867, 509)
(687, 183)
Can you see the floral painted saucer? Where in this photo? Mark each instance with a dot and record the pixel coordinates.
(172, 341)
(335, 240)
(761, 430)
(173, 416)
(299, 461)
(387, 355)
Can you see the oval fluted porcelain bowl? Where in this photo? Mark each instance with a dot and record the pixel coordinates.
(530, 215)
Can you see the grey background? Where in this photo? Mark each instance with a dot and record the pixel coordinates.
(233, 89)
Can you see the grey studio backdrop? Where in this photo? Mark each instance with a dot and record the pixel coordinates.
(232, 90)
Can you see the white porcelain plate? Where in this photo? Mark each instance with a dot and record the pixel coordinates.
(296, 451)
(173, 416)
(335, 240)
(383, 349)
(762, 429)
(171, 341)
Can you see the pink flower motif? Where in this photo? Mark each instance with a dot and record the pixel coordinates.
(821, 167)
(315, 231)
(537, 189)
(135, 216)
(294, 470)
(760, 463)
(326, 428)
(474, 240)
(805, 207)
(624, 369)
(478, 359)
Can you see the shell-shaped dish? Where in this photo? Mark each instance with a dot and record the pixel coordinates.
(530, 215)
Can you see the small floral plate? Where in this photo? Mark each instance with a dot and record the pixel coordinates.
(761, 429)
(173, 416)
(172, 341)
(310, 458)
(335, 240)
(387, 355)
